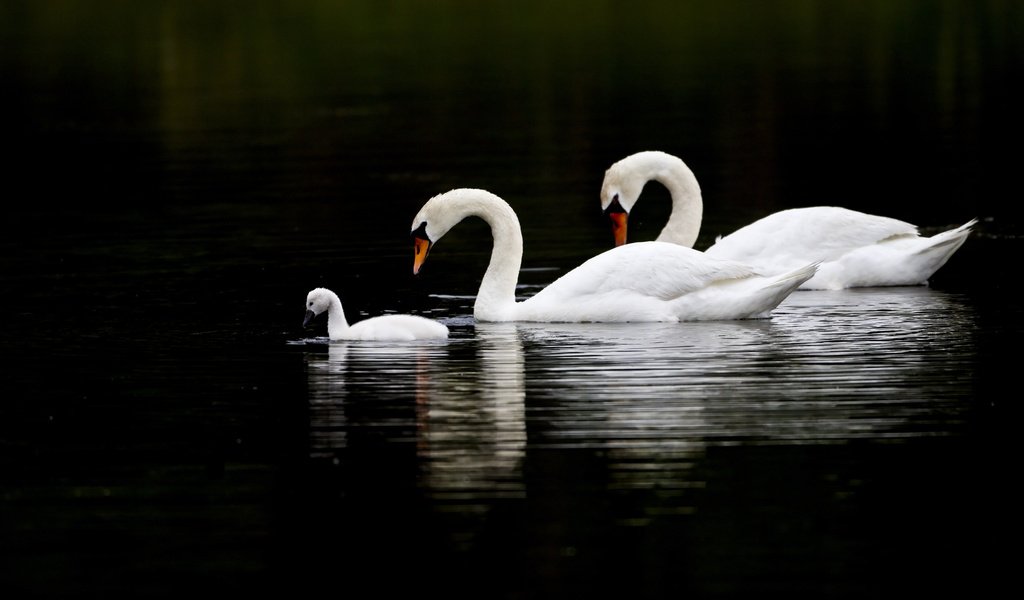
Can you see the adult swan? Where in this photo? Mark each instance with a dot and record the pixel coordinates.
(649, 281)
(854, 249)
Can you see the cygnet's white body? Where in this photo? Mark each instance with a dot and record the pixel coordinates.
(389, 328)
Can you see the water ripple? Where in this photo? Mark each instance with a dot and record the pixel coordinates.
(827, 368)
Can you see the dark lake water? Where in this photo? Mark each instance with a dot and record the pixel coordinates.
(180, 174)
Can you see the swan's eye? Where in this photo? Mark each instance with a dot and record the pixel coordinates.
(614, 207)
(311, 304)
(420, 232)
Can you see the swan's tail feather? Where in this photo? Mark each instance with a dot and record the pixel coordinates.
(940, 247)
(771, 293)
(953, 237)
(796, 278)
(781, 286)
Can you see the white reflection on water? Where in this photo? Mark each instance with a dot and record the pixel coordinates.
(381, 375)
(472, 425)
(469, 426)
(326, 385)
(828, 367)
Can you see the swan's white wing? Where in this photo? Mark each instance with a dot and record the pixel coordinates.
(821, 233)
(396, 328)
(640, 281)
(898, 260)
(656, 269)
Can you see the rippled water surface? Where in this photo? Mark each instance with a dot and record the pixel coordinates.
(183, 173)
(829, 368)
(824, 438)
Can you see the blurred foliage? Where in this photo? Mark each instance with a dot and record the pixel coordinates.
(756, 96)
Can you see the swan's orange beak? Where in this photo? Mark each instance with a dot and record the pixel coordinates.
(420, 249)
(619, 226)
(619, 216)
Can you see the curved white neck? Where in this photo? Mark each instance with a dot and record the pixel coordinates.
(496, 299)
(687, 206)
(336, 323)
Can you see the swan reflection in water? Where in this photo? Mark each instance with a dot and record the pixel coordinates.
(360, 385)
(469, 428)
(829, 367)
(472, 423)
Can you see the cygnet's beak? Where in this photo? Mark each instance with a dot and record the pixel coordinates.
(309, 317)
(619, 217)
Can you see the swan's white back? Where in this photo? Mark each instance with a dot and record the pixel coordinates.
(396, 328)
(855, 249)
(824, 232)
(655, 281)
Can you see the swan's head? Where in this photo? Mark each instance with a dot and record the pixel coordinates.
(624, 181)
(442, 212)
(619, 194)
(622, 185)
(421, 242)
(317, 301)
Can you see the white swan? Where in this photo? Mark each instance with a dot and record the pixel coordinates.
(854, 249)
(394, 328)
(650, 281)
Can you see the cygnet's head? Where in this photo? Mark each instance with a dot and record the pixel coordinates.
(317, 301)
